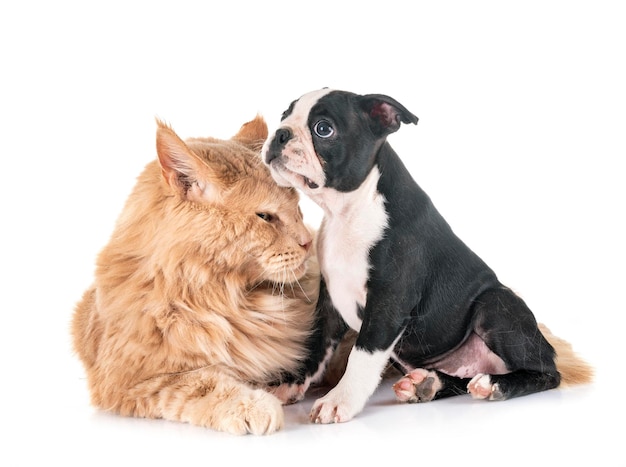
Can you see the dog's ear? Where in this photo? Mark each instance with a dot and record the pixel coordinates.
(385, 113)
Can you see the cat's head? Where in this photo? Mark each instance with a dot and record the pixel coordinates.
(235, 213)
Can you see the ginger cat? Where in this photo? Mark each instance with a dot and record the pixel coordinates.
(204, 298)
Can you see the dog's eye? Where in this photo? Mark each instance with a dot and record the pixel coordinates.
(265, 216)
(323, 129)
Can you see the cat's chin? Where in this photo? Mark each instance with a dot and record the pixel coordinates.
(290, 276)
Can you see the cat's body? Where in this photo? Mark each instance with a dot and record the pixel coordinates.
(204, 297)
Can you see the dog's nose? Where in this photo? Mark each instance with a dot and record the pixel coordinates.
(281, 137)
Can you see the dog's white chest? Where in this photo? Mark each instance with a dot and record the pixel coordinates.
(353, 223)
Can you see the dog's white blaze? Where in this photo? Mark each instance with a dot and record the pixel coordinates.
(301, 110)
(353, 223)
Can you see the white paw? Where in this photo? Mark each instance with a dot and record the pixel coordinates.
(335, 407)
(358, 383)
(480, 387)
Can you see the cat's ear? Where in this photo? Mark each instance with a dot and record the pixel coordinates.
(253, 133)
(182, 169)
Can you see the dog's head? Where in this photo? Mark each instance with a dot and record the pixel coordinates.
(329, 139)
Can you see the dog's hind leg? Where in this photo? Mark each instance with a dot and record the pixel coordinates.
(507, 326)
(517, 383)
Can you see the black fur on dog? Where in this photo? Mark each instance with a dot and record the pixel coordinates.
(394, 270)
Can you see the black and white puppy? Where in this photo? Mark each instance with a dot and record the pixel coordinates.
(395, 271)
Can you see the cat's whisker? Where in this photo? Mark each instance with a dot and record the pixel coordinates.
(297, 281)
(280, 285)
(277, 286)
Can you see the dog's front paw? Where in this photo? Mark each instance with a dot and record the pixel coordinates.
(481, 387)
(419, 385)
(334, 407)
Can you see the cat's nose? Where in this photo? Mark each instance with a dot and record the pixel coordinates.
(306, 240)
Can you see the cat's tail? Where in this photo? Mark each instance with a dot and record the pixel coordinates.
(574, 370)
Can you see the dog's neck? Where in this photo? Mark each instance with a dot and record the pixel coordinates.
(346, 205)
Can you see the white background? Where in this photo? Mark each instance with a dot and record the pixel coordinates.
(520, 144)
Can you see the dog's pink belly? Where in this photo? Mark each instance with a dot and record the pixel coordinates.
(472, 358)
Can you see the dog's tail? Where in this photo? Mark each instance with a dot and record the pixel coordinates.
(574, 370)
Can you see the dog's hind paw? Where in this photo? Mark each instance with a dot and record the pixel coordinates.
(289, 393)
(419, 385)
(480, 387)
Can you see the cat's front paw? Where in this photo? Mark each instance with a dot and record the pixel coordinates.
(260, 414)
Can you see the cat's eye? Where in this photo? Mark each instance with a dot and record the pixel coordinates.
(265, 216)
(323, 129)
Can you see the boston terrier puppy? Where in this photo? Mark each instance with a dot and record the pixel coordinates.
(393, 269)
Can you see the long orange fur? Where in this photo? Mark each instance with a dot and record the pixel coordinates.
(205, 292)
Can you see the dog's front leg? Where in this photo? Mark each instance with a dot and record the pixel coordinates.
(360, 380)
(367, 360)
